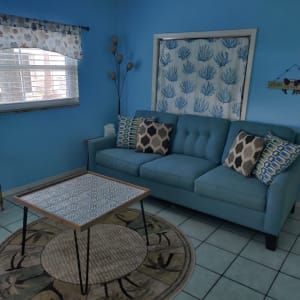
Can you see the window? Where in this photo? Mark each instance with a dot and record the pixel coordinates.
(33, 78)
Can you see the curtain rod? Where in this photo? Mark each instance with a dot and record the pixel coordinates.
(86, 28)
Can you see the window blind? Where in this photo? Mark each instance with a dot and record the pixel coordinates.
(31, 74)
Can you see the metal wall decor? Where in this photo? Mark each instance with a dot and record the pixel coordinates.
(285, 83)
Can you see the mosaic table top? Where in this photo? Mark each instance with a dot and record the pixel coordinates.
(82, 200)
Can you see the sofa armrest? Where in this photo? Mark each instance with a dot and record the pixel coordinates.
(283, 192)
(97, 144)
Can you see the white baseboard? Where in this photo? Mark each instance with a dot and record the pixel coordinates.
(19, 189)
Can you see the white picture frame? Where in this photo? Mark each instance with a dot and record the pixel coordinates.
(250, 33)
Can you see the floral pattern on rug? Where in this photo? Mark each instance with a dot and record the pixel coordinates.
(167, 266)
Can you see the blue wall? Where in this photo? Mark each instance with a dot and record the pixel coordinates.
(277, 45)
(39, 144)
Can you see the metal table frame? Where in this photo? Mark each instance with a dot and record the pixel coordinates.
(1, 199)
(83, 287)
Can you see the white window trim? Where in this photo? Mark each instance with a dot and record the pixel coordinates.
(40, 104)
(35, 105)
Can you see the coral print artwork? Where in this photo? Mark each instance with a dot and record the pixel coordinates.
(202, 76)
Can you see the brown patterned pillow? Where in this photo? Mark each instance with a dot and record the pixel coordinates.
(153, 137)
(244, 153)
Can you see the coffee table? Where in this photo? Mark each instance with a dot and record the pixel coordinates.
(79, 202)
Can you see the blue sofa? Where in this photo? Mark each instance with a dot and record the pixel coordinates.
(192, 174)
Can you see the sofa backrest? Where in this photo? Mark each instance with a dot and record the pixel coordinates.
(212, 138)
(202, 137)
(159, 116)
(259, 129)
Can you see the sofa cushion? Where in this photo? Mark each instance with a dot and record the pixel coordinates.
(259, 129)
(176, 169)
(202, 137)
(245, 153)
(153, 137)
(124, 160)
(160, 117)
(276, 158)
(225, 184)
(127, 132)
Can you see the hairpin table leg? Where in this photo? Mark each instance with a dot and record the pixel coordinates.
(145, 223)
(83, 289)
(25, 213)
(1, 199)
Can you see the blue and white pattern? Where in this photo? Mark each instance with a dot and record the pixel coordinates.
(277, 156)
(202, 76)
(20, 32)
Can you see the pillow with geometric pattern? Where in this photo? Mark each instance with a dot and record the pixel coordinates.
(244, 153)
(127, 132)
(153, 137)
(278, 155)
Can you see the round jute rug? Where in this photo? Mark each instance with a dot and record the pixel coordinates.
(121, 265)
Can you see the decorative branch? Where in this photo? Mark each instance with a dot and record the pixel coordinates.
(120, 74)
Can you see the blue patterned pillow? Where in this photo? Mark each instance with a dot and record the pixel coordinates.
(277, 157)
(127, 132)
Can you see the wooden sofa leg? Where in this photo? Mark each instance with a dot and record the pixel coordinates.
(271, 242)
(293, 209)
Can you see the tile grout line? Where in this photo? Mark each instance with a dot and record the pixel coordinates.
(158, 211)
(2, 227)
(262, 242)
(15, 221)
(294, 219)
(222, 275)
(201, 242)
(231, 279)
(261, 264)
(244, 285)
(178, 225)
(291, 233)
(249, 259)
(237, 255)
(183, 291)
(276, 276)
(293, 276)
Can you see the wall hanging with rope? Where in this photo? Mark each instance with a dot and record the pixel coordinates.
(285, 83)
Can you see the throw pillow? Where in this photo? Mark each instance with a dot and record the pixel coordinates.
(127, 132)
(153, 137)
(244, 153)
(278, 155)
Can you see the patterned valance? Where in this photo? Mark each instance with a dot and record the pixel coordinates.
(19, 32)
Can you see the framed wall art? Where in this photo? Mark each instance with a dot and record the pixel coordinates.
(203, 73)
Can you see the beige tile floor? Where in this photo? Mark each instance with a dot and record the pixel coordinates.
(231, 261)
